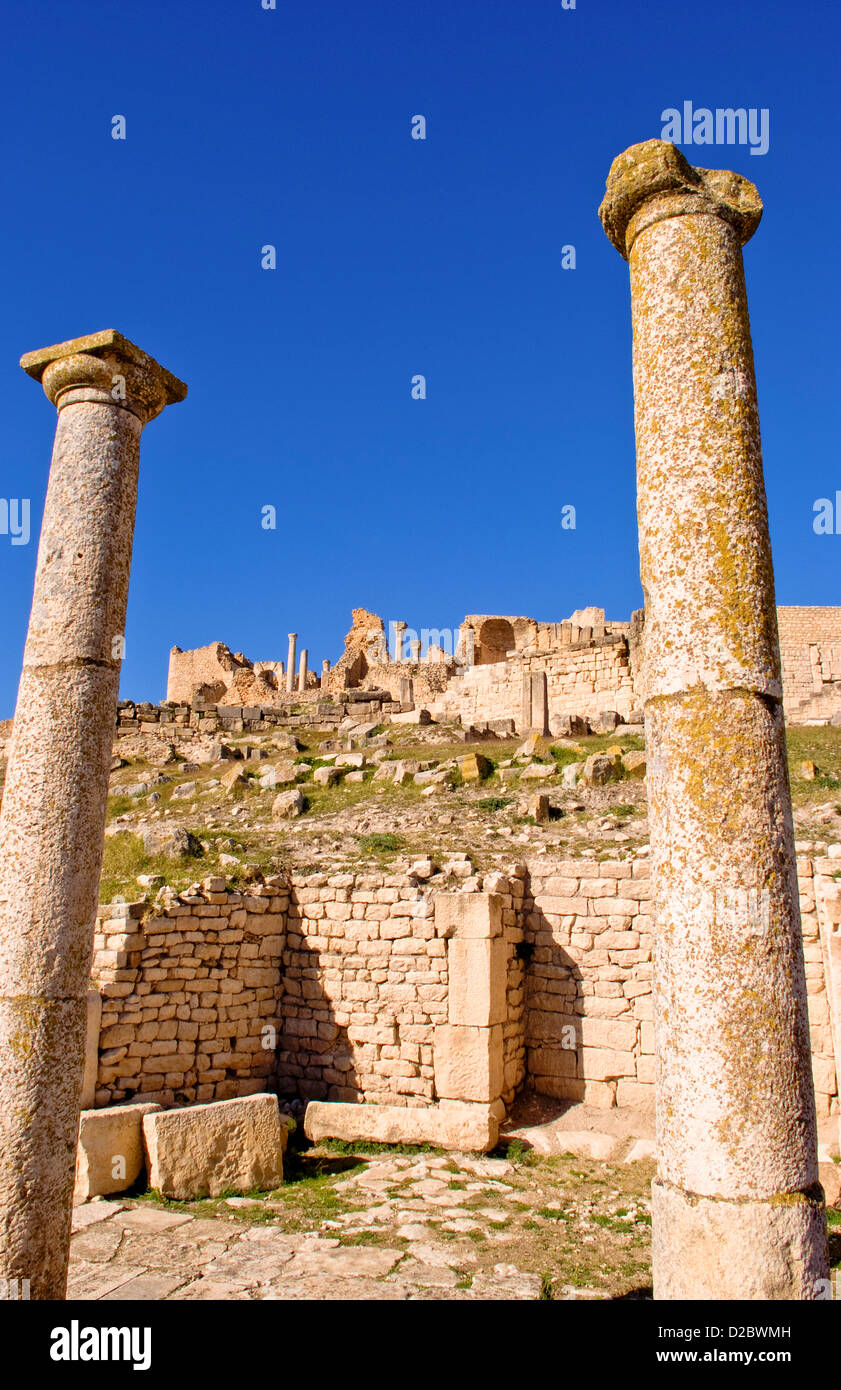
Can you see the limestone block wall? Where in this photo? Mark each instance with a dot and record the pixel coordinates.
(582, 679)
(810, 649)
(187, 992)
(304, 709)
(589, 1020)
(377, 988)
(364, 987)
(366, 983)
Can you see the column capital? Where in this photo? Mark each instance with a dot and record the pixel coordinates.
(107, 368)
(652, 181)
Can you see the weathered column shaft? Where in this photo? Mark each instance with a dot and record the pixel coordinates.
(302, 670)
(290, 663)
(399, 633)
(736, 1205)
(53, 813)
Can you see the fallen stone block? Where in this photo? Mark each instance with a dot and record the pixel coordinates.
(599, 769)
(287, 804)
(531, 748)
(634, 764)
(203, 1150)
(412, 716)
(538, 772)
(326, 776)
(450, 1125)
(475, 768)
(109, 1152)
(171, 840)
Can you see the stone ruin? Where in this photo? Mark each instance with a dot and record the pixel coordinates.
(505, 673)
(439, 1006)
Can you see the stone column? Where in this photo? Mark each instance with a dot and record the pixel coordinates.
(535, 705)
(53, 815)
(399, 629)
(302, 670)
(325, 674)
(290, 663)
(737, 1208)
(414, 651)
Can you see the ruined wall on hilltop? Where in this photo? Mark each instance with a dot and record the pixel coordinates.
(220, 676)
(582, 679)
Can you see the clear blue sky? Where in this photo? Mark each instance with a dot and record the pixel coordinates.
(291, 127)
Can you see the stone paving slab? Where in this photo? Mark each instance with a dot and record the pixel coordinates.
(397, 1229)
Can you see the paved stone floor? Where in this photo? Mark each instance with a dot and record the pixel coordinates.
(424, 1226)
(565, 1215)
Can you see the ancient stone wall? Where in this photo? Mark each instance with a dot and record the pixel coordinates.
(810, 649)
(591, 665)
(366, 983)
(303, 709)
(589, 1020)
(348, 987)
(375, 987)
(187, 992)
(583, 679)
(219, 674)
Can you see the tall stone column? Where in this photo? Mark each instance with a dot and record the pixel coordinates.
(290, 663)
(325, 674)
(53, 814)
(737, 1208)
(302, 669)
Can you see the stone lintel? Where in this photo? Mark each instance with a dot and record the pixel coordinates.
(107, 343)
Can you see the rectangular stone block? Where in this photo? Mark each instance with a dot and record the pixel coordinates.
(468, 914)
(601, 1064)
(203, 1150)
(94, 1018)
(478, 971)
(450, 1125)
(468, 1062)
(109, 1152)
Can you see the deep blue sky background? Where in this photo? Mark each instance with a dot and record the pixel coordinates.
(395, 257)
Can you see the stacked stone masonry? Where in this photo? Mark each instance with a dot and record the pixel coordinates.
(373, 988)
(591, 665)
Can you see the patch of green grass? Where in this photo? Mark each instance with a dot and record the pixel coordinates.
(124, 857)
(612, 1223)
(370, 1146)
(494, 803)
(361, 1237)
(516, 1152)
(564, 756)
(380, 843)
